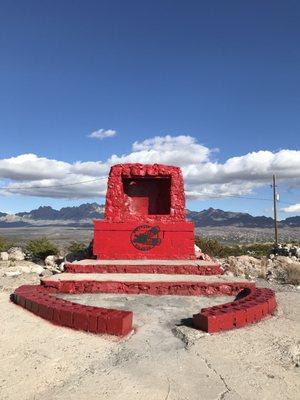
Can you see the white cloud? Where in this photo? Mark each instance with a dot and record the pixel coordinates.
(32, 167)
(66, 188)
(90, 168)
(255, 167)
(178, 150)
(205, 177)
(294, 208)
(102, 134)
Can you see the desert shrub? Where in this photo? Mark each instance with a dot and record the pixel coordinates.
(39, 249)
(214, 248)
(210, 246)
(4, 244)
(77, 249)
(76, 246)
(258, 249)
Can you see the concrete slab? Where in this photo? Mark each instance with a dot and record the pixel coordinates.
(141, 278)
(43, 361)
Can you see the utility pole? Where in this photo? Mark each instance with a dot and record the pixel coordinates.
(275, 198)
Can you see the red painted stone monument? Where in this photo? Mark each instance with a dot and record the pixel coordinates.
(144, 215)
(144, 236)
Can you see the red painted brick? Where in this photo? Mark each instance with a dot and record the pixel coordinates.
(102, 323)
(45, 311)
(239, 318)
(80, 319)
(66, 316)
(93, 315)
(21, 300)
(35, 306)
(119, 322)
(272, 304)
(200, 321)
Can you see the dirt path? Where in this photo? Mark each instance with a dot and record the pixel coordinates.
(160, 361)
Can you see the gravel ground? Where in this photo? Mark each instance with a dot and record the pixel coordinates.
(161, 360)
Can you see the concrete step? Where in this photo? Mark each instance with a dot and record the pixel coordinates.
(152, 284)
(200, 263)
(116, 277)
(186, 267)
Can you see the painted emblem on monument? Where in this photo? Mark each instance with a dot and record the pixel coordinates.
(145, 237)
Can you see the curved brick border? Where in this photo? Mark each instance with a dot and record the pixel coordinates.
(145, 269)
(257, 304)
(42, 302)
(251, 305)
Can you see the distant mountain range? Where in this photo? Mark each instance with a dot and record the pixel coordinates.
(45, 216)
(215, 217)
(84, 214)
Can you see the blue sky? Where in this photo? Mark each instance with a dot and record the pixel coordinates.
(223, 73)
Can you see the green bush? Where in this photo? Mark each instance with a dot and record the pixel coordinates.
(4, 244)
(214, 248)
(77, 249)
(259, 249)
(39, 249)
(210, 246)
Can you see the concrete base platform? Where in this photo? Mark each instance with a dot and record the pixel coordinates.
(185, 267)
(152, 284)
(200, 263)
(115, 277)
(251, 305)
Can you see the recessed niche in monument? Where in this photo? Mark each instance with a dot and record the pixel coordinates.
(150, 196)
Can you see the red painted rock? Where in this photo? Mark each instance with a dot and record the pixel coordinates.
(144, 215)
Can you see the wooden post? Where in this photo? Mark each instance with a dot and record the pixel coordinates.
(275, 212)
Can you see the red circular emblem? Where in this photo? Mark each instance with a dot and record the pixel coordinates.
(145, 237)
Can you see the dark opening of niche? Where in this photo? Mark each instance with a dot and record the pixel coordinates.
(150, 196)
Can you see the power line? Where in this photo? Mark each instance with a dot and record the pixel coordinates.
(247, 198)
(105, 177)
(51, 186)
(239, 197)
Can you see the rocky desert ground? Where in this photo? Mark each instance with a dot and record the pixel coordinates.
(164, 358)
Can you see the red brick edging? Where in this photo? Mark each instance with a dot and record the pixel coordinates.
(257, 304)
(253, 304)
(42, 302)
